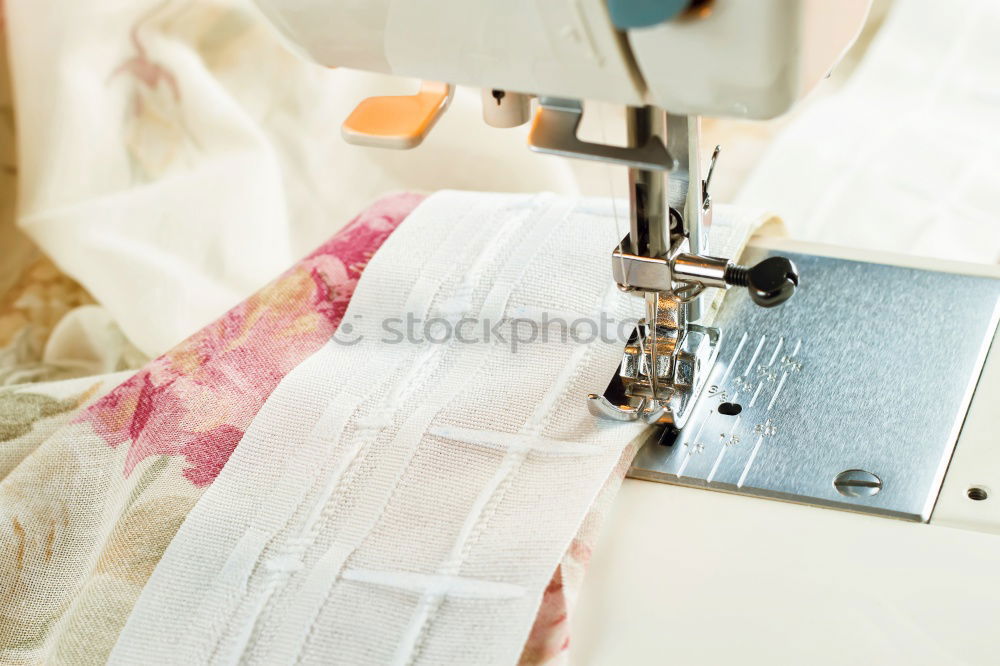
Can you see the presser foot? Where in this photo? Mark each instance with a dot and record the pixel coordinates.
(633, 394)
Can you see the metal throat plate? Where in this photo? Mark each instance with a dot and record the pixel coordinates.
(866, 375)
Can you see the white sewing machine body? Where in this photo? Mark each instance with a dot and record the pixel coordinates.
(750, 59)
(907, 573)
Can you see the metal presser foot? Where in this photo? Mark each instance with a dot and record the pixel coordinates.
(665, 362)
(664, 258)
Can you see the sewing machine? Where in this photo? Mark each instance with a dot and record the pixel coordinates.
(869, 391)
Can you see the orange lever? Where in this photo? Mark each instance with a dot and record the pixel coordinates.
(398, 121)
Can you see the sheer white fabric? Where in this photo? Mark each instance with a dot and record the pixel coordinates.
(904, 157)
(173, 156)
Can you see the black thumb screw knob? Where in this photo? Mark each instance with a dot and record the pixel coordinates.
(770, 283)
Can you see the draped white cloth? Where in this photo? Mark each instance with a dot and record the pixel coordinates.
(905, 157)
(173, 156)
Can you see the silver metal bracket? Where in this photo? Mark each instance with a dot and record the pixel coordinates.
(554, 131)
(663, 367)
(659, 382)
(682, 274)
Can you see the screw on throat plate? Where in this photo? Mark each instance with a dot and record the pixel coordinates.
(857, 483)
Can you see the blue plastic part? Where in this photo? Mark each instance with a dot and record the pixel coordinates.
(627, 14)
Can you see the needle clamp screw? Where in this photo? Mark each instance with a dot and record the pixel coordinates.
(770, 282)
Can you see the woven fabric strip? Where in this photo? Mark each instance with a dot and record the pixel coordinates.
(403, 500)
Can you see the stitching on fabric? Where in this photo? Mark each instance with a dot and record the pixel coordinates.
(514, 225)
(455, 586)
(266, 584)
(504, 477)
(345, 477)
(342, 476)
(502, 441)
(248, 548)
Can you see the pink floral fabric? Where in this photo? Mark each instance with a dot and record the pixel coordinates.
(177, 421)
(196, 400)
(96, 484)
